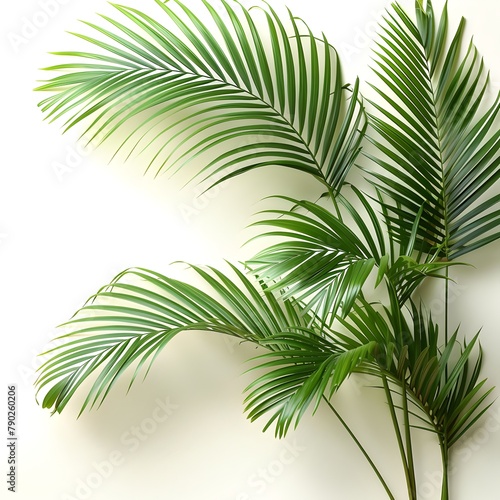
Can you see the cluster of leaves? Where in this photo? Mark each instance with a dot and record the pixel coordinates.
(240, 74)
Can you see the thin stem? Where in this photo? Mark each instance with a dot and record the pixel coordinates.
(409, 479)
(360, 446)
(409, 448)
(335, 203)
(443, 443)
(446, 314)
(445, 461)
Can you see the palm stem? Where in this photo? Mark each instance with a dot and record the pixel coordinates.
(410, 479)
(335, 203)
(360, 446)
(409, 448)
(443, 444)
(446, 313)
(445, 460)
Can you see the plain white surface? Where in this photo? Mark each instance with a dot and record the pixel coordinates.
(62, 237)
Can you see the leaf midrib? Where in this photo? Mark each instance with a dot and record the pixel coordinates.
(439, 137)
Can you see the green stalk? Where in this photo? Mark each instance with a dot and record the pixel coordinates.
(360, 446)
(335, 203)
(409, 447)
(446, 314)
(443, 442)
(445, 461)
(410, 477)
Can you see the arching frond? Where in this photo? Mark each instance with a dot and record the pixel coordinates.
(320, 261)
(266, 90)
(129, 321)
(305, 367)
(326, 256)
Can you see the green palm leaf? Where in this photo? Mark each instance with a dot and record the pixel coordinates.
(129, 321)
(437, 136)
(269, 92)
(444, 383)
(324, 260)
(304, 367)
(320, 261)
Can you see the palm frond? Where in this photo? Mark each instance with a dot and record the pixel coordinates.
(267, 90)
(438, 137)
(324, 259)
(445, 383)
(131, 320)
(302, 369)
(320, 261)
(442, 382)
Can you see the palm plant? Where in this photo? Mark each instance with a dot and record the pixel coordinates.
(192, 83)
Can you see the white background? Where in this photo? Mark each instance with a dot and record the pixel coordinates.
(63, 235)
